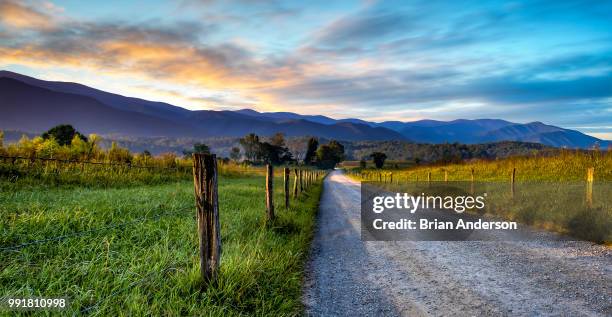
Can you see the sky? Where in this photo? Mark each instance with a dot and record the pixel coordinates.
(522, 61)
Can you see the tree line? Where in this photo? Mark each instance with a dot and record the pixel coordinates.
(65, 142)
(275, 151)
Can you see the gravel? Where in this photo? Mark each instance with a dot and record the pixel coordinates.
(349, 277)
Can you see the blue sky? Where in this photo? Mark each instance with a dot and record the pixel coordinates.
(522, 61)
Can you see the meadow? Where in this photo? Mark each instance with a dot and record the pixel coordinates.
(549, 191)
(126, 245)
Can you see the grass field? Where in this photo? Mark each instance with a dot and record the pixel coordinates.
(567, 166)
(549, 191)
(149, 265)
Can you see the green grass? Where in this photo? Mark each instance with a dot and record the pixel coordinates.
(151, 266)
(550, 190)
(567, 166)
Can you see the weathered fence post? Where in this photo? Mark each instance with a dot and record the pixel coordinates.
(472, 181)
(428, 178)
(512, 178)
(301, 174)
(445, 176)
(207, 215)
(286, 179)
(295, 183)
(589, 188)
(270, 192)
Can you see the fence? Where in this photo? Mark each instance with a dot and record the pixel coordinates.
(13, 160)
(387, 177)
(205, 178)
(207, 206)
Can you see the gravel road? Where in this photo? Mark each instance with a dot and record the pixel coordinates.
(349, 277)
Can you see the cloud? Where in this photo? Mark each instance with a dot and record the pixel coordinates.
(425, 59)
(17, 15)
(158, 51)
(362, 28)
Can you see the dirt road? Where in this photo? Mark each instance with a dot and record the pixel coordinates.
(350, 277)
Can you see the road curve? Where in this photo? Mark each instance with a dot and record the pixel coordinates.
(349, 277)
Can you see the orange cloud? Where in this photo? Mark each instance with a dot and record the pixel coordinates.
(19, 16)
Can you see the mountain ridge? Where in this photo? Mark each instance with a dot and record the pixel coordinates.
(134, 116)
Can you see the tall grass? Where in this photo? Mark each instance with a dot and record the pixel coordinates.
(150, 267)
(550, 191)
(567, 166)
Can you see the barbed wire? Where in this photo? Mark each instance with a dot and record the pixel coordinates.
(86, 232)
(128, 165)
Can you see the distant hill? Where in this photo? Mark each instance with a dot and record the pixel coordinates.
(30, 104)
(32, 107)
(35, 109)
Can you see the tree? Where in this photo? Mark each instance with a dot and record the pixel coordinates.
(297, 147)
(362, 163)
(278, 139)
(273, 154)
(201, 148)
(63, 134)
(330, 154)
(235, 154)
(250, 145)
(311, 151)
(379, 159)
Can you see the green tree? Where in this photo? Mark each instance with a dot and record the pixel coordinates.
(63, 134)
(201, 148)
(379, 159)
(363, 163)
(235, 154)
(311, 151)
(273, 154)
(330, 154)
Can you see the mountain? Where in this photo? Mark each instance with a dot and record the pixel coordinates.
(285, 116)
(546, 134)
(462, 131)
(36, 109)
(30, 104)
(30, 107)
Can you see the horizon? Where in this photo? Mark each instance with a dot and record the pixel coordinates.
(301, 114)
(334, 118)
(520, 62)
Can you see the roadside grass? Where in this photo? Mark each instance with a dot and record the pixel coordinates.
(567, 166)
(150, 265)
(550, 192)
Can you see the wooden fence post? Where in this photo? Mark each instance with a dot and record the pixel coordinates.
(445, 176)
(589, 188)
(286, 179)
(270, 192)
(428, 178)
(207, 215)
(301, 181)
(512, 178)
(295, 183)
(472, 181)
